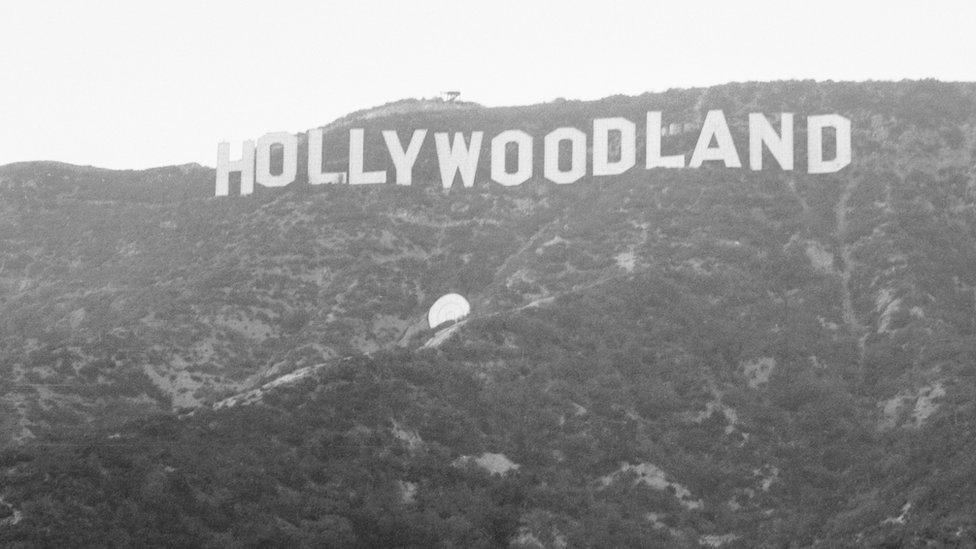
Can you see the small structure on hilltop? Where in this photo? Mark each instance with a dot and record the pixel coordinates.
(451, 95)
(448, 308)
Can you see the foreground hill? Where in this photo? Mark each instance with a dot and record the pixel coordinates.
(698, 357)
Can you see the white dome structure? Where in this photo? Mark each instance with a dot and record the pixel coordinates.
(448, 308)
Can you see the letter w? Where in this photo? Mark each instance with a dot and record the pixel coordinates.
(457, 157)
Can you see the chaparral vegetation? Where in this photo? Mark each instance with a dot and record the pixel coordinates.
(663, 358)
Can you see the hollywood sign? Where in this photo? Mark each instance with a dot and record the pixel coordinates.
(460, 154)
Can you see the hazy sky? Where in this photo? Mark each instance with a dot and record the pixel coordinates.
(133, 84)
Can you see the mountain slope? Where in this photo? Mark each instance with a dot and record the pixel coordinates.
(690, 357)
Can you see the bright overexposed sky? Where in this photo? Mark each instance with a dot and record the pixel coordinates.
(136, 84)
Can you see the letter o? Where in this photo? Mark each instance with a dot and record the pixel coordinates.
(289, 144)
(498, 145)
(577, 167)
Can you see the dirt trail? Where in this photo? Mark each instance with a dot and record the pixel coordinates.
(847, 300)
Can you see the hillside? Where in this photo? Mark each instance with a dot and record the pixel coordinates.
(711, 357)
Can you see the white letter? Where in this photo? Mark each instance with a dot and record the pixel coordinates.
(601, 146)
(403, 161)
(245, 165)
(653, 152)
(815, 127)
(289, 167)
(715, 125)
(577, 167)
(458, 157)
(524, 170)
(356, 174)
(762, 132)
(315, 174)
